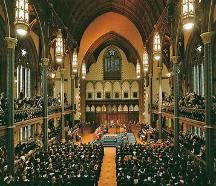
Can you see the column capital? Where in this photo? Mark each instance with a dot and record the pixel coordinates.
(160, 68)
(62, 70)
(11, 42)
(45, 61)
(72, 76)
(174, 59)
(207, 37)
(63, 140)
(209, 127)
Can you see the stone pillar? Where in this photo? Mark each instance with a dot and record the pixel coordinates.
(209, 119)
(72, 96)
(82, 99)
(141, 99)
(62, 70)
(11, 43)
(150, 99)
(176, 100)
(160, 101)
(45, 62)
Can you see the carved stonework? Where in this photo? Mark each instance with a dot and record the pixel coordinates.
(45, 61)
(207, 37)
(11, 42)
(62, 70)
(174, 59)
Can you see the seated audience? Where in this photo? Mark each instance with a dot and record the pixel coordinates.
(148, 133)
(193, 143)
(149, 165)
(62, 164)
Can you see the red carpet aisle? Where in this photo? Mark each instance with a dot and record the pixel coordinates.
(108, 169)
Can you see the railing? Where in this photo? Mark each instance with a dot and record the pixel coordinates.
(170, 134)
(191, 113)
(26, 114)
(1, 117)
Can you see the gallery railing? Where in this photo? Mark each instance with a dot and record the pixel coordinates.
(31, 113)
(191, 113)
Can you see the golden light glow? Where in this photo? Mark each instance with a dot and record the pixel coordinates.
(74, 62)
(138, 70)
(59, 47)
(83, 70)
(188, 14)
(52, 75)
(145, 60)
(21, 17)
(157, 46)
(169, 74)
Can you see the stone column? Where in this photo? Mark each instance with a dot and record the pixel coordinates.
(176, 100)
(82, 100)
(72, 96)
(209, 119)
(45, 62)
(11, 43)
(62, 70)
(160, 101)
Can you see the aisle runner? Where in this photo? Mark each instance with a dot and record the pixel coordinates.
(108, 169)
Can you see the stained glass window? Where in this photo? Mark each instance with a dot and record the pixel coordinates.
(112, 64)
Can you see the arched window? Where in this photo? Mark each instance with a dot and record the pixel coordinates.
(198, 69)
(112, 64)
(23, 74)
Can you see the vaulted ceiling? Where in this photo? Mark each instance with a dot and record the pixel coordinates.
(78, 14)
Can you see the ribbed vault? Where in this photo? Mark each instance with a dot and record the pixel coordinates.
(77, 14)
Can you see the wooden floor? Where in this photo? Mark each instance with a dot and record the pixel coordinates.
(108, 169)
(88, 134)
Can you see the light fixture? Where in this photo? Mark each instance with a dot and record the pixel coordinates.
(24, 52)
(83, 70)
(199, 48)
(59, 47)
(169, 74)
(52, 75)
(138, 69)
(74, 63)
(145, 60)
(21, 17)
(188, 14)
(157, 46)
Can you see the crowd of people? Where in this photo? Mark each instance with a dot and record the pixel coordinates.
(191, 106)
(23, 148)
(2, 160)
(190, 100)
(148, 165)
(193, 143)
(30, 107)
(62, 164)
(148, 133)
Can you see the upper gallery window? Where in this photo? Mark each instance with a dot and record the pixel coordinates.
(112, 64)
(23, 74)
